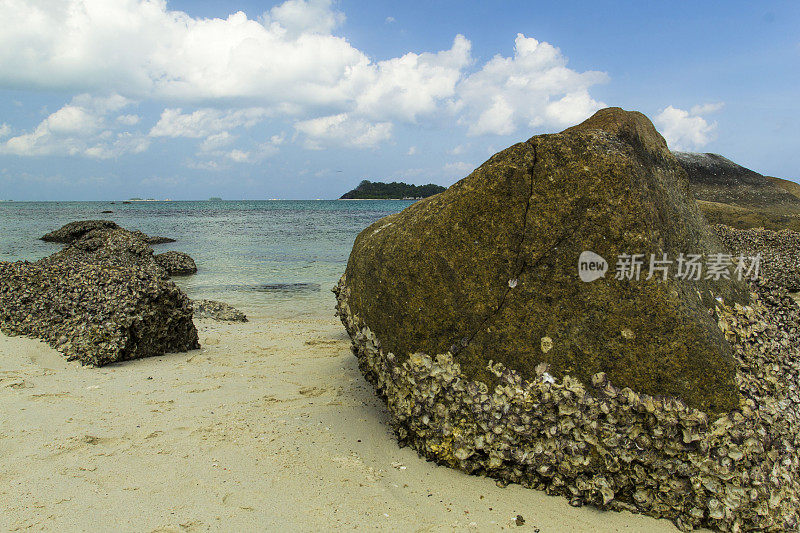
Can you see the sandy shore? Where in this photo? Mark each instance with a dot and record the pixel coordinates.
(269, 426)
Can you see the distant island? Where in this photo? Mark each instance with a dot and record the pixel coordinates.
(369, 190)
(215, 199)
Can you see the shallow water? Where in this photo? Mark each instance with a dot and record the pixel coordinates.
(272, 257)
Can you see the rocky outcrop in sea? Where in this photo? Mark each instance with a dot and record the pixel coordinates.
(74, 230)
(176, 263)
(677, 398)
(101, 299)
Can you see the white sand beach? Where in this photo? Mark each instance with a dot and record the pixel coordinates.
(270, 426)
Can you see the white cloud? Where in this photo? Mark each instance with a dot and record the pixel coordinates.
(238, 156)
(389, 20)
(457, 150)
(217, 141)
(412, 85)
(238, 72)
(531, 89)
(79, 128)
(705, 109)
(129, 120)
(71, 119)
(217, 151)
(458, 169)
(140, 48)
(124, 143)
(343, 130)
(205, 122)
(203, 165)
(412, 150)
(687, 130)
(5, 130)
(297, 17)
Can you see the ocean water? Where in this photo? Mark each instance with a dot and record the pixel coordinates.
(274, 258)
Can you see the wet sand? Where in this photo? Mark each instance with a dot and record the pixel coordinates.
(269, 426)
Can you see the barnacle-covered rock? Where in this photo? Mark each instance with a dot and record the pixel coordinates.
(101, 299)
(75, 230)
(538, 382)
(176, 263)
(217, 311)
(779, 252)
(96, 313)
(610, 446)
(488, 268)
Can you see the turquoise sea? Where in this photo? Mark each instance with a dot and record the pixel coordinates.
(275, 258)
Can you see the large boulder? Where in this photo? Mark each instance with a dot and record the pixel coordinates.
(656, 395)
(488, 269)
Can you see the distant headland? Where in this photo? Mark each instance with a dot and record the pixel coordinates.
(369, 190)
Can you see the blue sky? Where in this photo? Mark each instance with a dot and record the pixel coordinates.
(109, 99)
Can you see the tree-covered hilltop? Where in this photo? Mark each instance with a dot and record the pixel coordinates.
(369, 190)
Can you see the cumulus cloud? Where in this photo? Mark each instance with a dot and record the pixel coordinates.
(5, 130)
(129, 120)
(217, 141)
(216, 151)
(457, 150)
(412, 85)
(79, 128)
(412, 150)
(687, 130)
(458, 169)
(205, 122)
(343, 130)
(531, 89)
(139, 48)
(296, 17)
(224, 74)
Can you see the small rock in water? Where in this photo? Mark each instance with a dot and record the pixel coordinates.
(217, 311)
(176, 263)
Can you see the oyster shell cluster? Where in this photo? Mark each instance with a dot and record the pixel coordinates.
(611, 447)
(217, 311)
(779, 251)
(103, 298)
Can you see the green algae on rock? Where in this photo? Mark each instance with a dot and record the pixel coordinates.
(487, 270)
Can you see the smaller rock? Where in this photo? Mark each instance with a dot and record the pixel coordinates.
(519, 520)
(75, 230)
(153, 239)
(176, 263)
(217, 311)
